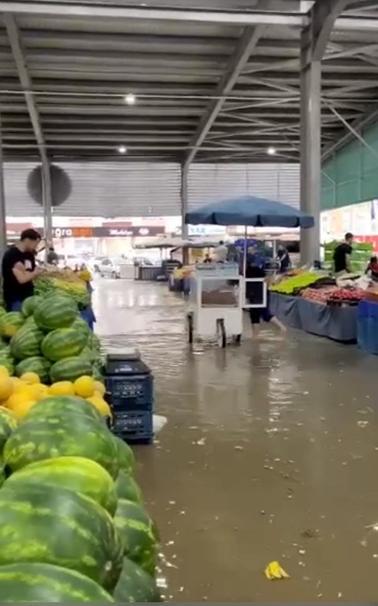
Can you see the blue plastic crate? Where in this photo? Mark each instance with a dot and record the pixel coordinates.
(129, 385)
(367, 327)
(130, 392)
(133, 425)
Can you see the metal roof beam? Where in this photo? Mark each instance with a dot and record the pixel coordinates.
(243, 51)
(23, 74)
(119, 12)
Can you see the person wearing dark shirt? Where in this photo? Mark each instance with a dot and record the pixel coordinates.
(283, 259)
(52, 258)
(342, 255)
(254, 295)
(19, 270)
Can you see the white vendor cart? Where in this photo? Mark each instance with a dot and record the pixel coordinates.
(217, 300)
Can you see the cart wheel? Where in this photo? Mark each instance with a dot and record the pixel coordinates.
(237, 339)
(221, 333)
(189, 319)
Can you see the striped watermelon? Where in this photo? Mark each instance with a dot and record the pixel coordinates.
(30, 304)
(127, 488)
(26, 343)
(70, 369)
(56, 311)
(138, 535)
(126, 458)
(7, 424)
(60, 527)
(45, 583)
(135, 585)
(60, 436)
(63, 343)
(81, 325)
(10, 323)
(36, 364)
(74, 473)
(7, 361)
(56, 406)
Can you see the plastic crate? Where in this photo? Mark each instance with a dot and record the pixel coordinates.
(367, 327)
(133, 426)
(129, 385)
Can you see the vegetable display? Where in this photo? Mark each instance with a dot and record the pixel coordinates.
(293, 284)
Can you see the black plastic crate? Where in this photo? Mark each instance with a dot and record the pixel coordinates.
(129, 384)
(133, 425)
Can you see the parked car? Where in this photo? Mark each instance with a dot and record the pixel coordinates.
(109, 268)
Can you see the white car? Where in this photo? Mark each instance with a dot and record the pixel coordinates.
(109, 268)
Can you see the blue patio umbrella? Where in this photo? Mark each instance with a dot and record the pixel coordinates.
(249, 210)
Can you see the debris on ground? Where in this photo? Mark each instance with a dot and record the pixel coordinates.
(274, 571)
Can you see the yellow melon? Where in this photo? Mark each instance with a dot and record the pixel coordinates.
(22, 408)
(4, 372)
(30, 378)
(6, 388)
(84, 386)
(100, 388)
(62, 388)
(99, 403)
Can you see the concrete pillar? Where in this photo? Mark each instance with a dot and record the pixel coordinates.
(3, 223)
(184, 208)
(47, 200)
(310, 156)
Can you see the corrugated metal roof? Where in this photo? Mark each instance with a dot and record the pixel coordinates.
(150, 189)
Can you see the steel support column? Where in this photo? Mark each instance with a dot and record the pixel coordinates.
(311, 157)
(46, 199)
(314, 40)
(184, 208)
(3, 224)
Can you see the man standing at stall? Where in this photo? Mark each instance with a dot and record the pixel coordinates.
(19, 270)
(342, 255)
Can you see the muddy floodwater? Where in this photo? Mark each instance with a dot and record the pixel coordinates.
(270, 453)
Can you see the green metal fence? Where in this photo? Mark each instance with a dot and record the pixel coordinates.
(351, 175)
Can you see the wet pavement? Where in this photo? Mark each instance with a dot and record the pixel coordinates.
(270, 453)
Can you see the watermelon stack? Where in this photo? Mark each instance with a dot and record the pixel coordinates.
(73, 527)
(50, 339)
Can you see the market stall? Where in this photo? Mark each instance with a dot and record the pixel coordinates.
(319, 304)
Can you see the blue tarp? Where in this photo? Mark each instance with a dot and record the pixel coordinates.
(249, 210)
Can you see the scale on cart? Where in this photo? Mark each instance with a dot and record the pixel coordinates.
(217, 301)
(129, 390)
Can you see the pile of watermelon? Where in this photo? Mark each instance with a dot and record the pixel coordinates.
(73, 527)
(49, 338)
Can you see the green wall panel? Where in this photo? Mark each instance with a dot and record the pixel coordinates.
(351, 175)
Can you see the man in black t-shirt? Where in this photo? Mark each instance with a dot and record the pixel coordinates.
(19, 270)
(342, 255)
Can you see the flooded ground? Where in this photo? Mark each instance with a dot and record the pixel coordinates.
(270, 453)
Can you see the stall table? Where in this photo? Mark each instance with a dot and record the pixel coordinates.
(334, 322)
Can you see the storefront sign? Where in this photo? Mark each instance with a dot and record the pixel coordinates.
(106, 232)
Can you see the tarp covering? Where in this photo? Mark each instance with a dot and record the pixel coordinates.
(249, 210)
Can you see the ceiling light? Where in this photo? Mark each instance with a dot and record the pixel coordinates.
(122, 149)
(271, 151)
(130, 99)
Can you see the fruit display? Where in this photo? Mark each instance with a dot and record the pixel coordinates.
(294, 284)
(318, 295)
(64, 281)
(49, 338)
(67, 533)
(347, 295)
